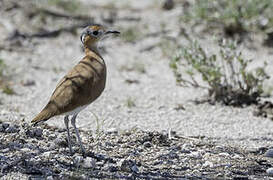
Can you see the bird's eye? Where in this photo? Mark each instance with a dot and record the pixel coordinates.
(95, 33)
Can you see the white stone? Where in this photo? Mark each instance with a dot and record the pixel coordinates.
(223, 154)
(208, 164)
(78, 159)
(269, 153)
(89, 162)
(48, 154)
(237, 156)
(25, 149)
(269, 171)
(195, 154)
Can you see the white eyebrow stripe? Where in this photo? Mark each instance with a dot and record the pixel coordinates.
(82, 37)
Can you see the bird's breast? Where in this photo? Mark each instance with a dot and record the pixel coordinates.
(94, 75)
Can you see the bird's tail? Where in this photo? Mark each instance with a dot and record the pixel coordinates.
(48, 112)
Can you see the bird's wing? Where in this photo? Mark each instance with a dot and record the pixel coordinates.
(79, 87)
(72, 89)
(64, 98)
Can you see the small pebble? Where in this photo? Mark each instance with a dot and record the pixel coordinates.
(168, 5)
(52, 136)
(5, 125)
(63, 159)
(110, 167)
(126, 165)
(2, 129)
(11, 129)
(269, 153)
(25, 150)
(3, 158)
(37, 132)
(223, 154)
(48, 154)
(173, 155)
(134, 168)
(5, 150)
(186, 151)
(113, 169)
(61, 141)
(195, 154)
(100, 157)
(100, 163)
(269, 171)
(112, 131)
(49, 178)
(109, 144)
(147, 144)
(208, 164)
(29, 146)
(78, 160)
(89, 163)
(237, 156)
(240, 178)
(28, 82)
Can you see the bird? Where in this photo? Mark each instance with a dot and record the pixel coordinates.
(82, 85)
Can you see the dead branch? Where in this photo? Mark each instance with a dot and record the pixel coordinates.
(78, 17)
(47, 34)
(59, 14)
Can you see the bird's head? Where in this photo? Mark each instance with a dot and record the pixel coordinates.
(94, 33)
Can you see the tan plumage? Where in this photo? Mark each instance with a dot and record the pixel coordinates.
(81, 85)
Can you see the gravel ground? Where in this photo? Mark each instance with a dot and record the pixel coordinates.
(141, 94)
(28, 152)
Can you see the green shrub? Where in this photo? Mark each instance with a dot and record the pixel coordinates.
(8, 90)
(4, 84)
(130, 102)
(235, 16)
(67, 5)
(2, 68)
(131, 34)
(224, 74)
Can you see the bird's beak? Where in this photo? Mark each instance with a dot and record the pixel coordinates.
(112, 32)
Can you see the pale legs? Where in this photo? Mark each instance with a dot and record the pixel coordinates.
(73, 122)
(66, 122)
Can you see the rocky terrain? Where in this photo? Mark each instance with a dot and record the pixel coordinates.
(143, 126)
(37, 153)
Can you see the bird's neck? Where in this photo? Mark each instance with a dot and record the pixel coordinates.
(92, 51)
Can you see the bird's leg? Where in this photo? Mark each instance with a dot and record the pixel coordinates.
(66, 122)
(73, 122)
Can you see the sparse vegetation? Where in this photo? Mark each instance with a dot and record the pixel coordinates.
(57, 69)
(130, 102)
(8, 90)
(3, 79)
(67, 5)
(131, 34)
(233, 16)
(99, 129)
(168, 47)
(2, 68)
(225, 75)
(99, 126)
(137, 66)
